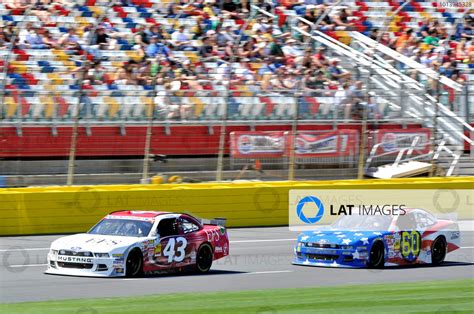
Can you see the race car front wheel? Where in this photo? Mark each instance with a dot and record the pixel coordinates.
(438, 251)
(204, 258)
(134, 265)
(377, 255)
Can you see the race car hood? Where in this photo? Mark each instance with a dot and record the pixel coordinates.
(93, 242)
(336, 237)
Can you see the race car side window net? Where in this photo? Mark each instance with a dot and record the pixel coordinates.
(167, 227)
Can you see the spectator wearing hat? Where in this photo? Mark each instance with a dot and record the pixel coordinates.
(156, 48)
(336, 72)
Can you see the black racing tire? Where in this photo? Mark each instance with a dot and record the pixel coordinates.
(134, 264)
(438, 251)
(376, 255)
(204, 258)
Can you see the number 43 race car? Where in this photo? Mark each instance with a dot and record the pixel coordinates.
(377, 241)
(133, 243)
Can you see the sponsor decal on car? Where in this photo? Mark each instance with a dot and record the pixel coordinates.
(73, 259)
(157, 250)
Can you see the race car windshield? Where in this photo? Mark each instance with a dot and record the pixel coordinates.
(122, 227)
(363, 223)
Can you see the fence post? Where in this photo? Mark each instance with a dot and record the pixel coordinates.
(294, 134)
(72, 151)
(149, 132)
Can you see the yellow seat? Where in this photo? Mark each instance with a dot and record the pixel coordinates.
(192, 55)
(48, 103)
(60, 55)
(20, 68)
(113, 106)
(198, 105)
(11, 105)
(426, 15)
(343, 37)
(133, 55)
(146, 100)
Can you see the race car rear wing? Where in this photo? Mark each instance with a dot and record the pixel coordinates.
(216, 221)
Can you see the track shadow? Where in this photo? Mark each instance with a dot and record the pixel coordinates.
(445, 264)
(163, 275)
(414, 266)
(193, 274)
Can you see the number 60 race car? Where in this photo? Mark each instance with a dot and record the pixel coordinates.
(377, 241)
(133, 243)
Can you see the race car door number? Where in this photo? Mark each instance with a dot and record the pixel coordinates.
(175, 249)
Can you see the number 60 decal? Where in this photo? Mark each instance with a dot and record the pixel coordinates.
(170, 252)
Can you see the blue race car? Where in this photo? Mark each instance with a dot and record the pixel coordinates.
(378, 241)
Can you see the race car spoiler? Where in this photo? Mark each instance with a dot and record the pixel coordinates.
(216, 221)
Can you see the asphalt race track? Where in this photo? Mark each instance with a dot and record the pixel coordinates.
(260, 259)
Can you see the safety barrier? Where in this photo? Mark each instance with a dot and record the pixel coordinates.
(50, 210)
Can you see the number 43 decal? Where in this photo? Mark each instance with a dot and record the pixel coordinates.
(178, 254)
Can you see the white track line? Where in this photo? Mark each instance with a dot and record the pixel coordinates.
(264, 240)
(29, 265)
(237, 241)
(268, 272)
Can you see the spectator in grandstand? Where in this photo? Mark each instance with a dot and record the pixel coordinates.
(4, 44)
(249, 51)
(155, 48)
(49, 41)
(342, 19)
(153, 30)
(24, 33)
(17, 4)
(42, 8)
(9, 30)
(34, 39)
(404, 39)
(336, 72)
(181, 39)
(189, 75)
(207, 51)
(230, 9)
(141, 35)
(291, 50)
(373, 110)
(343, 101)
(313, 82)
(431, 39)
(326, 22)
(101, 38)
(96, 73)
(146, 74)
(127, 75)
(229, 53)
(81, 73)
(224, 36)
(70, 41)
(290, 80)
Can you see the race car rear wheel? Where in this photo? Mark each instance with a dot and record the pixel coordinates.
(204, 258)
(134, 265)
(438, 251)
(376, 255)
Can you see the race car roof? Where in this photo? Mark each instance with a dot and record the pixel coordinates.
(137, 213)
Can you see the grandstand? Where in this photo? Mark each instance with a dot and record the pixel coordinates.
(190, 73)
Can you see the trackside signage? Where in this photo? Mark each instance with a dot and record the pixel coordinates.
(380, 210)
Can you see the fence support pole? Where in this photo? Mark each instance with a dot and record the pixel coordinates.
(72, 151)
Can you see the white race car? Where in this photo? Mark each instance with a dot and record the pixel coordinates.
(133, 243)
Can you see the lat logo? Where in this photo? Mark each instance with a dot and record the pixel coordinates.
(342, 210)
